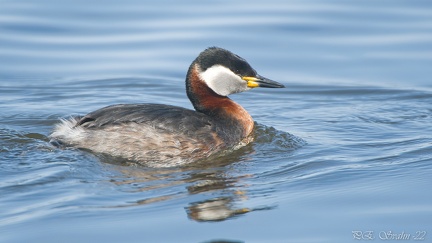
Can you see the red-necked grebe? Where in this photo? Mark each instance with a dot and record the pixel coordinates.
(163, 135)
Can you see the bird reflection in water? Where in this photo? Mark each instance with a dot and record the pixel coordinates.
(225, 190)
(216, 209)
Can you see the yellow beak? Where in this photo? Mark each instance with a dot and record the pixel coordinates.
(260, 81)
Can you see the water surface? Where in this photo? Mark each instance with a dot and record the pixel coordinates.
(345, 148)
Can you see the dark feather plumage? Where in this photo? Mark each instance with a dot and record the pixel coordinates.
(167, 118)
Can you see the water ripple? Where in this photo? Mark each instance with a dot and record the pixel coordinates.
(350, 133)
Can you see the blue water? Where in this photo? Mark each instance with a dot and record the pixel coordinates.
(342, 154)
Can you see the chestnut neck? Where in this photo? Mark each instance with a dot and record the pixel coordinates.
(220, 108)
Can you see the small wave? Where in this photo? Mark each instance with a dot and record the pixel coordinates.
(276, 140)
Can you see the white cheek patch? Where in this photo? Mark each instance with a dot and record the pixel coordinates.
(223, 81)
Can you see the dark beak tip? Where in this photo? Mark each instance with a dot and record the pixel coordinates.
(274, 84)
(268, 83)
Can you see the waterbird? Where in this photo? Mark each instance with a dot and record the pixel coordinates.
(160, 135)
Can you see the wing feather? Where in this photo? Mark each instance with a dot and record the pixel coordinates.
(166, 117)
